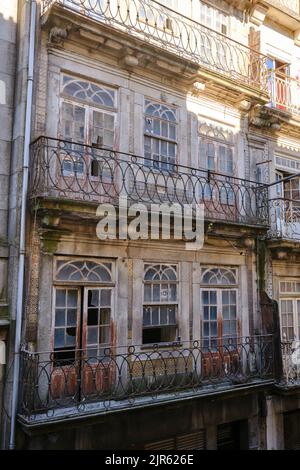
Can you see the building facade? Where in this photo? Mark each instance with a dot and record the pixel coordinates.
(186, 103)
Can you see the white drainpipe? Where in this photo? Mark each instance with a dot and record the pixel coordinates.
(19, 312)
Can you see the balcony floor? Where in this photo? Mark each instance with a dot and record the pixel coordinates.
(88, 410)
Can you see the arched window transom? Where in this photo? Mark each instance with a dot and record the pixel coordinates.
(88, 91)
(83, 271)
(219, 276)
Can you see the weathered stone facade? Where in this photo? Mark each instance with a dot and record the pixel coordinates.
(213, 136)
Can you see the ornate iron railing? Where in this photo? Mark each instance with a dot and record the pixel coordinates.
(66, 170)
(75, 381)
(291, 362)
(284, 219)
(285, 92)
(169, 30)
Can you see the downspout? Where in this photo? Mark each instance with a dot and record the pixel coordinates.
(22, 246)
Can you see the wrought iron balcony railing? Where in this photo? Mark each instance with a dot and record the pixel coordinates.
(166, 29)
(291, 362)
(71, 171)
(284, 219)
(285, 92)
(67, 383)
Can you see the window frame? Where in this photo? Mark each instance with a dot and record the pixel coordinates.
(219, 289)
(150, 161)
(160, 303)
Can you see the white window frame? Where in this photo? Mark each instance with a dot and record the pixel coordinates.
(161, 303)
(159, 164)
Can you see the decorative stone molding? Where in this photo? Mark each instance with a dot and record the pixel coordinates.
(264, 118)
(58, 35)
(258, 14)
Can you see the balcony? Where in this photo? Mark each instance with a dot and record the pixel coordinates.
(154, 25)
(63, 385)
(285, 219)
(282, 12)
(67, 171)
(291, 364)
(292, 6)
(285, 93)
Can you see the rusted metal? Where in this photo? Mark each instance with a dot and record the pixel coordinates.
(172, 31)
(141, 180)
(129, 376)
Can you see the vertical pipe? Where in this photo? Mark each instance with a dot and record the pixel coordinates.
(20, 287)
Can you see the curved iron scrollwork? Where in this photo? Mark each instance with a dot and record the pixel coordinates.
(124, 376)
(284, 219)
(176, 33)
(67, 170)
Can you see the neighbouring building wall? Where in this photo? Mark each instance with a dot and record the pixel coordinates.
(8, 38)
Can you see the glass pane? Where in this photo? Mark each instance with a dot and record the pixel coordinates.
(172, 315)
(105, 298)
(71, 336)
(206, 313)
(93, 298)
(92, 336)
(225, 297)
(59, 317)
(226, 328)
(172, 130)
(233, 328)
(213, 297)
(164, 129)
(233, 297)
(206, 329)
(173, 292)
(226, 313)
(156, 292)
(214, 329)
(104, 333)
(60, 298)
(156, 127)
(146, 317)
(205, 299)
(93, 318)
(59, 338)
(163, 315)
(213, 313)
(105, 316)
(155, 319)
(109, 122)
(147, 293)
(72, 298)
(72, 317)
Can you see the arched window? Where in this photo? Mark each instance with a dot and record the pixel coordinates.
(160, 136)
(160, 303)
(219, 307)
(216, 149)
(83, 272)
(219, 276)
(88, 92)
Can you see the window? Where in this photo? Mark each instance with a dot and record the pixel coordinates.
(219, 307)
(83, 314)
(87, 118)
(159, 18)
(191, 441)
(67, 303)
(211, 17)
(160, 304)
(290, 319)
(160, 139)
(216, 155)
